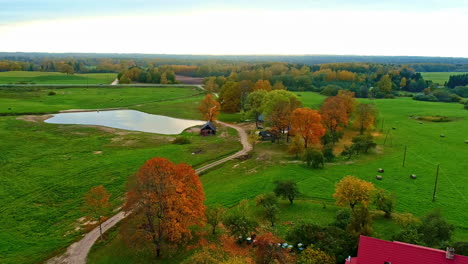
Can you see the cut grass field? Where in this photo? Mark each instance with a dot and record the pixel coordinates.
(45, 169)
(30, 77)
(439, 77)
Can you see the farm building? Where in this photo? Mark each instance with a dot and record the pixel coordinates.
(373, 250)
(208, 129)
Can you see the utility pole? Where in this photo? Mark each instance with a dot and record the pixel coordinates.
(404, 157)
(386, 135)
(435, 184)
(381, 129)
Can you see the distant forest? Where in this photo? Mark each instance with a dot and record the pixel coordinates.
(101, 62)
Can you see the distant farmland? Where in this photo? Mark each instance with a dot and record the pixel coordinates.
(439, 77)
(26, 77)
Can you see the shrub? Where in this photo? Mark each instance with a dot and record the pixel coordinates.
(424, 97)
(313, 158)
(466, 105)
(461, 91)
(51, 93)
(328, 153)
(181, 141)
(330, 90)
(384, 202)
(314, 256)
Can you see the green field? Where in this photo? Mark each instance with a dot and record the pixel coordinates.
(45, 169)
(24, 100)
(426, 149)
(26, 77)
(439, 77)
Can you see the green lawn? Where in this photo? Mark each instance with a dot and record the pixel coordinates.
(27, 77)
(439, 77)
(45, 168)
(24, 100)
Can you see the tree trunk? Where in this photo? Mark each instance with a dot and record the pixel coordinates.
(291, 200)
(100, 229)
(214, 229)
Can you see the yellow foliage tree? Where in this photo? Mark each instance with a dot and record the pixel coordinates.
(262, 85)
(352, 191)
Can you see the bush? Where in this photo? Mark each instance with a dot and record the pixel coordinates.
(424, 97)
(181, 141)
(51, 93)
(461, 91)
(314, 158)
(466, 105)
(444, 96)
(330, 90)
(328, 153)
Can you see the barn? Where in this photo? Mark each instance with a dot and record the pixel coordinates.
(208, 129)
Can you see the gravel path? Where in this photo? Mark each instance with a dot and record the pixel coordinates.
(78, 251)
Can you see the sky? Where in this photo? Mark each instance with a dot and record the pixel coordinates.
(289, 27)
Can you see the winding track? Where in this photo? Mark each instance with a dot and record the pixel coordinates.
(78, 251)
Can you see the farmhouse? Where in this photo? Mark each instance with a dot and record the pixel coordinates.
(373, 251)
(208, 129)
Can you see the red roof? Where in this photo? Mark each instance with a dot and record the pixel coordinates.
(377, 251)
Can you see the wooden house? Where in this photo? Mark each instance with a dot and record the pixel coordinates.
(208, 129)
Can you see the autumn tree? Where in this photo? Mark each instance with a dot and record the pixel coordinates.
(278, 107)
(214, 215)
(360, 222)
(279, 86)
(230, 97)
(211, 86)
(307, 123)
(312, 255)
(254, 104)
(246, 88)
(253, 138)
(403, 82)
(267, 251)
(124, 79)
(165, 201)
(335, 112)
(96, 205)
(352, 191)
(296, 147)
(385, 84)
(209, 108)
(262, 85)
(163, 78)
(287, 190)
(365, 117)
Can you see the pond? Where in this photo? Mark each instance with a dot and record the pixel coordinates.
(127, 119)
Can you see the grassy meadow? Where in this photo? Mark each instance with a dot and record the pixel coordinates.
(45, 169)
(439, 77)
(34, 77)
(31, 100)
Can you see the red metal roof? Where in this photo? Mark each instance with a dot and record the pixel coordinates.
(377, 251)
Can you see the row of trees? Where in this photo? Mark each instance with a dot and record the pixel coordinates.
(161, 75)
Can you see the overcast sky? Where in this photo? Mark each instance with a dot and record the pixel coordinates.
(360, 27)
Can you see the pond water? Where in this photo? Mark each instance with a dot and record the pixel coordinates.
(127, 119)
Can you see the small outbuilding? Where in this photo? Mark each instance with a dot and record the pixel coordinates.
(208, 129)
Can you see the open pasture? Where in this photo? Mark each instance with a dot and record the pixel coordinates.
(30, 77)
(45, 169)
(439, 77)
(425, 150)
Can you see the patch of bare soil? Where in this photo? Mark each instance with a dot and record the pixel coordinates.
(97, 152)
(189, 80)
(195, 130)
(34, 118)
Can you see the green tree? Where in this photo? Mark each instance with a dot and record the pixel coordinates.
(384, 202)
(279, 86)
(269, 203)
(238, 224)
(361, 222)
(435, 230)
(230, 97)
(286, 189)
(313, 158)
(385, 84)
(214, 216)
(254, 104)
(124, 79)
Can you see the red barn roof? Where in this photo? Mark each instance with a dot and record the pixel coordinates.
(376, 251)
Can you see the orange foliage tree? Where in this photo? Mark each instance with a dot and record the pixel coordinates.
(352, 191)
(209, 108)
(365, 117)
(267, 251)
(165, 200)
(262, 85)
(97, 205)
(307, 123)
(336, 111)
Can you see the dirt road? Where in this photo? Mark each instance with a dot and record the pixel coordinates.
(78, 251)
